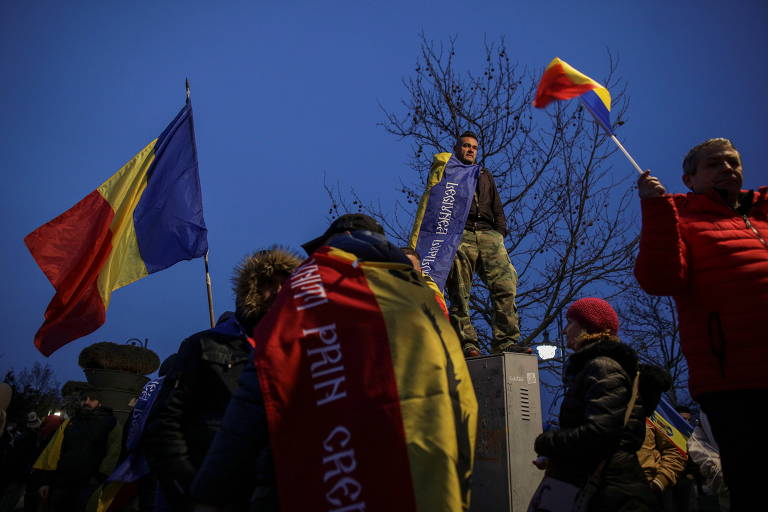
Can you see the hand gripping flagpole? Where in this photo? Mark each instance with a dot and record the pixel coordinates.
(613, 137)
(205, 258)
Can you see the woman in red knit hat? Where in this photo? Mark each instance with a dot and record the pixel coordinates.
(597, 439)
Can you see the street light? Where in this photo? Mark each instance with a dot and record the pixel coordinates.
(546, 349)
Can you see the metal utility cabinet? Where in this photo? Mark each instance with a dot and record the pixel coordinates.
(507, 389)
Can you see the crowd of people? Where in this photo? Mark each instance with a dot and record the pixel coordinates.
(207, 441)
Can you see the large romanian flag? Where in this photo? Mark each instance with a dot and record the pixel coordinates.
(145, 218)
(368, 397)
(560, 81)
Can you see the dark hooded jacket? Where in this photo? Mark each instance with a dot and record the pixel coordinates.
(598, 383)
(486, 211)
(240, 457)
(202, 379)
(84, 446)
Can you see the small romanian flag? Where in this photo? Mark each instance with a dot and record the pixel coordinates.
(667, 421)
(560, 81)
(145, 218)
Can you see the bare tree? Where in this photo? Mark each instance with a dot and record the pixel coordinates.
(34, 389)
(650, 325)
(570, 232)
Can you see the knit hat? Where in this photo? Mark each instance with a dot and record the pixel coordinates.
(594, 315)
(348, 222)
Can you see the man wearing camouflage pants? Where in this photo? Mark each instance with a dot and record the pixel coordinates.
(482, 250)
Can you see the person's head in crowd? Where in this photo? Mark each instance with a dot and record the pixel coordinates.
(257, 281)
(167, 365)
(588, 318)
(413, 257)
(90, 398)
(466, 148)
(346, 223)
(33, 421)
(685, 412)
(713, 164)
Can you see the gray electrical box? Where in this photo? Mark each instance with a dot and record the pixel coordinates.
(509, 419)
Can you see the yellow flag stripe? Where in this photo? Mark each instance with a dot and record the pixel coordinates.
(439, 414)
(436, 173)
(123, 191)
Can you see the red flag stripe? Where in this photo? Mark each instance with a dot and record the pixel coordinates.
(331, 395)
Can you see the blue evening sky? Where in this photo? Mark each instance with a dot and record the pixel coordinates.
(287, 91)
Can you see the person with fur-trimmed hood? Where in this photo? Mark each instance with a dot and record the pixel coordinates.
(598, 437)
(205, 374)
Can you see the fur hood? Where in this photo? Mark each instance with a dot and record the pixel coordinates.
(607, 346)
(654, 381)
(256, 280)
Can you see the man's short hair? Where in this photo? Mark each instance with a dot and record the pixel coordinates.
(691, 160)
(347, 222)
(468, 134)
(92, 393)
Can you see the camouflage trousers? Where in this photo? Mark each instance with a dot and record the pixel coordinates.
(483, 252)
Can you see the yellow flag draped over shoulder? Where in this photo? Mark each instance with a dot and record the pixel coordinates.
(437, 411)
(49, 458)
(363, 353)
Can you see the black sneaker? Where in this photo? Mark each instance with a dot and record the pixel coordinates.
(471, 351)
(519, 349)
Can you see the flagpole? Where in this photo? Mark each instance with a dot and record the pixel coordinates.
(626, 153)
(613, 137)
(208, 285)
(210, 290)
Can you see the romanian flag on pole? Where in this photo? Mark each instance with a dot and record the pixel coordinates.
(145, 218)
(667, 421)
(368, 398)
(560, 81)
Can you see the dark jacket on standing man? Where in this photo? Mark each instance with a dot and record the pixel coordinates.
(84, 446)
(486, 211)
(191, 404)
(241, 457)
(198, 387)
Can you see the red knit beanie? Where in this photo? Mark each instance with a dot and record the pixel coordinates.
(594, 315)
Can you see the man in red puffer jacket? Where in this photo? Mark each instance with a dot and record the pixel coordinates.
(709, 250)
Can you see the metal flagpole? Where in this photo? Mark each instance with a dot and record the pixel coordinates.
(613, 137)
(210, 290)
(205, 258)
(626, 153)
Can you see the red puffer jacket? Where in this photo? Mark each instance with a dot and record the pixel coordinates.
(714, 261)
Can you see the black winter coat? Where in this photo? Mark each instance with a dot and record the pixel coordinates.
(598, 386)
(240, 458)
(84, 446)
(191, 405)
(486, 211)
